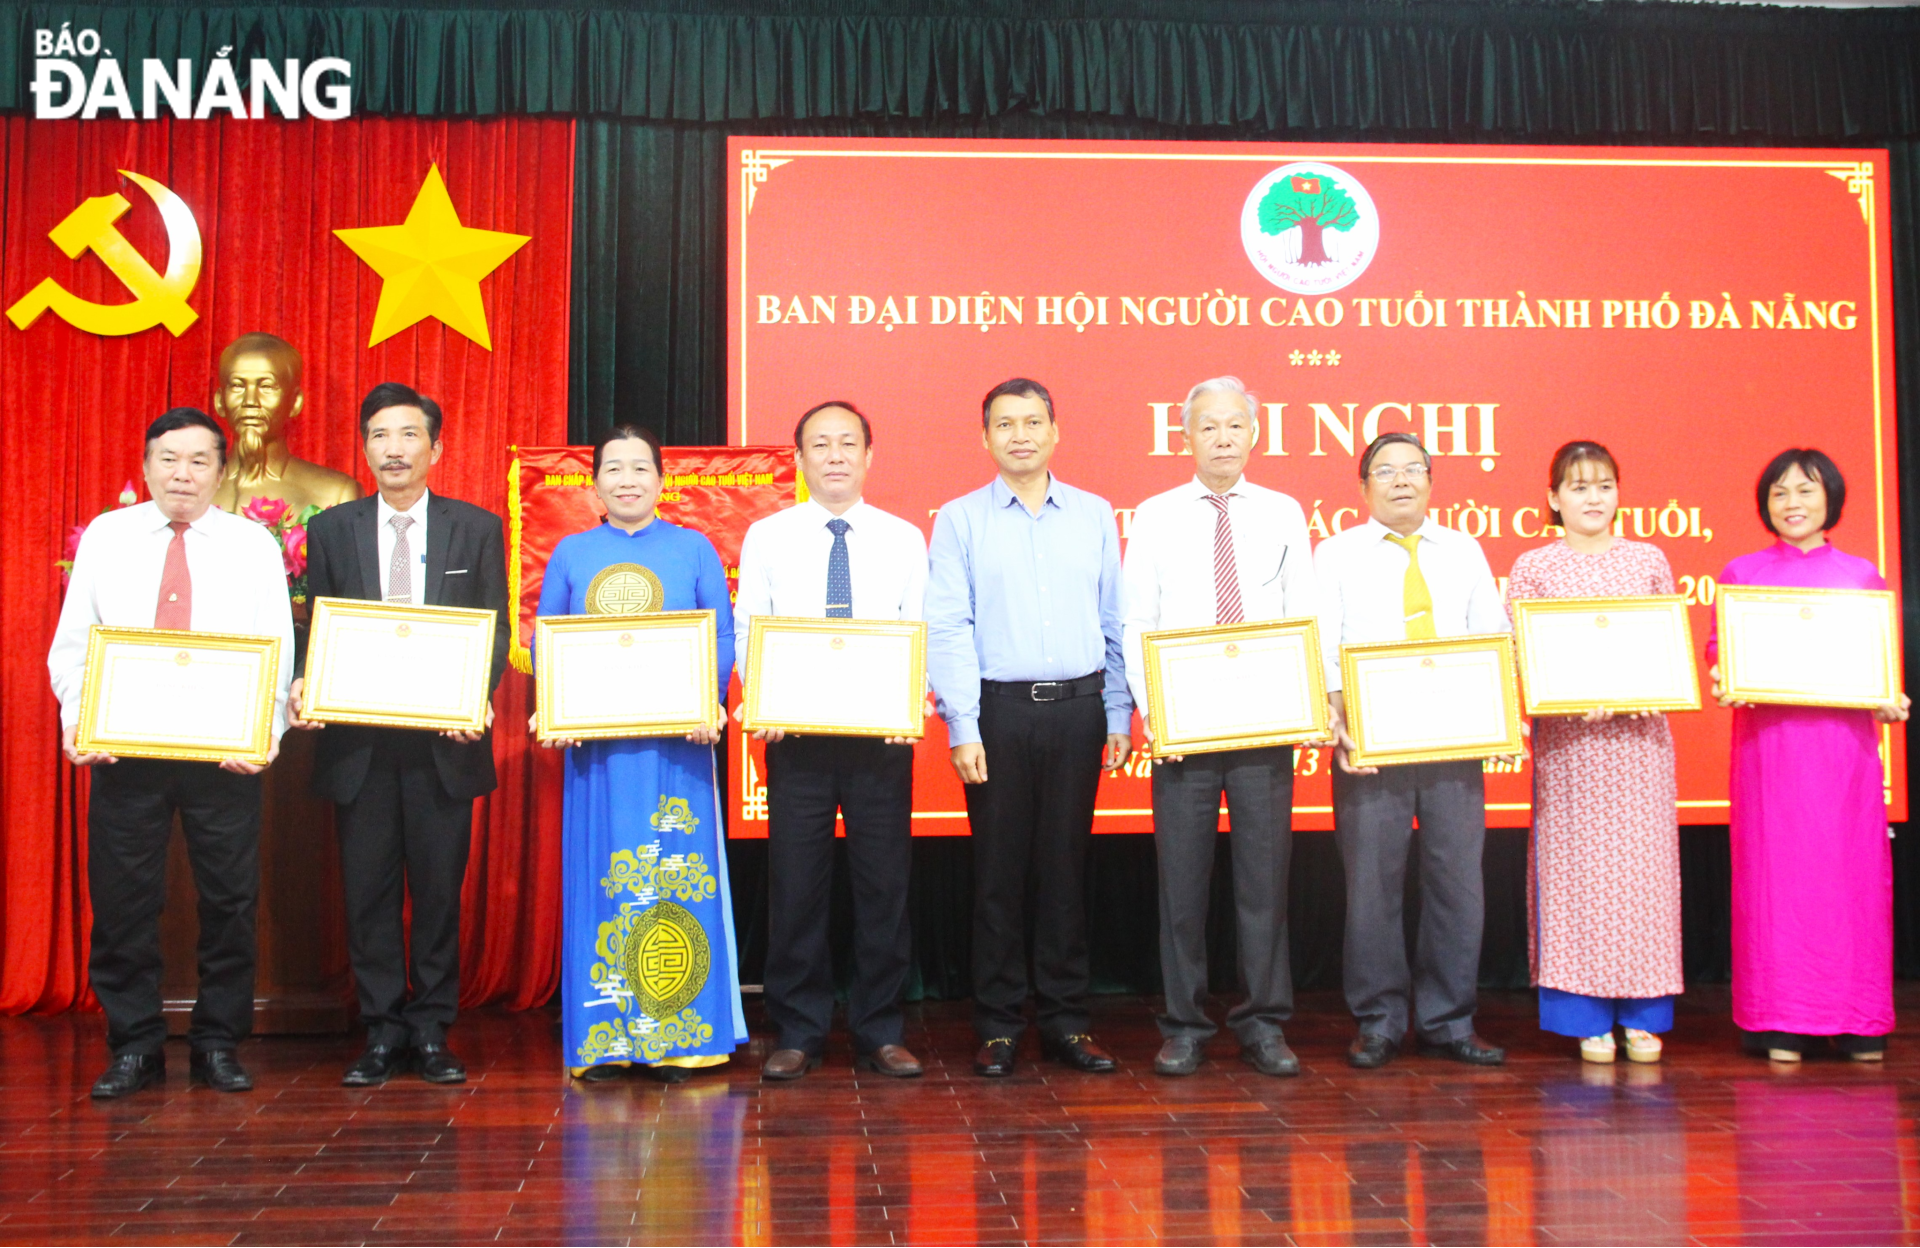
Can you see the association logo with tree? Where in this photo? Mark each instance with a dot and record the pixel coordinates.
(1310, 228)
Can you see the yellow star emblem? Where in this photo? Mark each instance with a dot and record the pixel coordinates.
(431, 265)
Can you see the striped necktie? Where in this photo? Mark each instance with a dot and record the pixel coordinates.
(1226, 573)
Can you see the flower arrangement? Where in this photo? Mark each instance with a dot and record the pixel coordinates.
(289, 528)
(128, 497)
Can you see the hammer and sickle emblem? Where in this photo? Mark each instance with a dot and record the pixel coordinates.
(159, 299)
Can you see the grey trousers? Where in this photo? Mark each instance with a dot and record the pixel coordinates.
(1186, 814)
(1373, 823)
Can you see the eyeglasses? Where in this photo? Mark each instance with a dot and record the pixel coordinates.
(1386, 474)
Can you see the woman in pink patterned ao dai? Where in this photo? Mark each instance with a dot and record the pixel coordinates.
(1603, 902)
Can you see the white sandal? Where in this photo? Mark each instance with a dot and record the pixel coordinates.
(1597, 1049)
(1642, 1046)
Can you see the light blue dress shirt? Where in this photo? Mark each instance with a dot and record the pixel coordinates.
(1022, 597)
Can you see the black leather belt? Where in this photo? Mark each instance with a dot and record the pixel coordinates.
(1047, 690)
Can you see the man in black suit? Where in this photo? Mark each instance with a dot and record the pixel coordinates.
(405, 796)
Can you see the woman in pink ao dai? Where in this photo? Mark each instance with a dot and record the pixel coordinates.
(1603, 903)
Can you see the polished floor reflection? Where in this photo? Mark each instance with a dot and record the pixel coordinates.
(1709, 1147)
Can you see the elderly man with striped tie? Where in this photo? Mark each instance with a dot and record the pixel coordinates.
(1404, 576)
(1262, 569)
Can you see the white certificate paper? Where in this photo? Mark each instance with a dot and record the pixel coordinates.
(836, 677)
(1453, 698)
(1236, 687)
(1809, 647)
(410, 667)
(173, 698)
(1578, 655)
(653, 675)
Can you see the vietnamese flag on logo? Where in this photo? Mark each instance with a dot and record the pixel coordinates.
(1305, 185)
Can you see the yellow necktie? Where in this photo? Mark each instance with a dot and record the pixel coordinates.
(1415, 598)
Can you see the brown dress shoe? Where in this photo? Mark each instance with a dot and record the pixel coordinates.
(893, 1061)
(787, 1064)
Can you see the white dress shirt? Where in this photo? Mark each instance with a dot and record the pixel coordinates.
(1363, 581)
(416, 541)
(783, 566)
(239, 586)
(1167, 574)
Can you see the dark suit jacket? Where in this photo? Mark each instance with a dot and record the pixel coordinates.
(466, 567)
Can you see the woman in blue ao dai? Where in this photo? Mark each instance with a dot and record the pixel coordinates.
(649, 975)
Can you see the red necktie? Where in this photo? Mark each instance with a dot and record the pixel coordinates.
(1226, 573)
(175, 609)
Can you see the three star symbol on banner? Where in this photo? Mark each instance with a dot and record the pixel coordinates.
(431, 265)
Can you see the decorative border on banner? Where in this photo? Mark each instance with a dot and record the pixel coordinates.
(756, 164)
(517, 654)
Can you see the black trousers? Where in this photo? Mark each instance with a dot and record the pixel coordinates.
(404, 838)
(870, 784)
(1258, 785)
(1032, 822)
(129, 822)
(1373, 823)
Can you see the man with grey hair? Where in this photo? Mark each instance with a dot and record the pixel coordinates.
(1220, 550)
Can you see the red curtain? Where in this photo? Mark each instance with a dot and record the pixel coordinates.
(267, 196)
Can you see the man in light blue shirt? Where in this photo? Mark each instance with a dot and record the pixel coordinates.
(1023, 650)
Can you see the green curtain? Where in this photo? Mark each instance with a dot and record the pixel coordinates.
(1386, 67)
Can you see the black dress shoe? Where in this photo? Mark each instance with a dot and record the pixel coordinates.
(1470, 1049)
(1270, 1056)
(995, 1058)
(439, 1065)
(128, 1073)
(668, 1074)
(220, 1070)
(379, 1063)
(1371, 1051)
(601, 1074)
(1079, 1053)
(1178, 1056)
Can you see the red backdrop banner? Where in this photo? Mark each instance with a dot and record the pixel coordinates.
(1697, 310)
(266, 197)
(719, 490)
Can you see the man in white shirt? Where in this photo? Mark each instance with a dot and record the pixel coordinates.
(1220, 550)
(1402, 576)
(175, 562)
(835, 556)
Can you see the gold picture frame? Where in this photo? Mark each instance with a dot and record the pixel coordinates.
(828, 665)
(1847, 642)
(580, 659)
(1429, 701)
(1569, 647)
(354, 646)
(1202, 661)
(134, 703)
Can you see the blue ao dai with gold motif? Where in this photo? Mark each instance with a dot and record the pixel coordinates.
(648, 966)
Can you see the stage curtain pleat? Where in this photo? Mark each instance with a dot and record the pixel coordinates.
(1375, 66)
(73, 406)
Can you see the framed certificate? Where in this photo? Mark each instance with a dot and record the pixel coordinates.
(399, 667)
(1234, 687)
(1616, 654)
(160, 693)
(851, 678)
(600, 676)
(1431, 701)
(1808, 647)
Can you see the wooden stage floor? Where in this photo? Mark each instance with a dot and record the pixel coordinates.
(1710, 1147)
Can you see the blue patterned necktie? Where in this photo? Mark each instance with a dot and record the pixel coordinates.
(839, 575)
